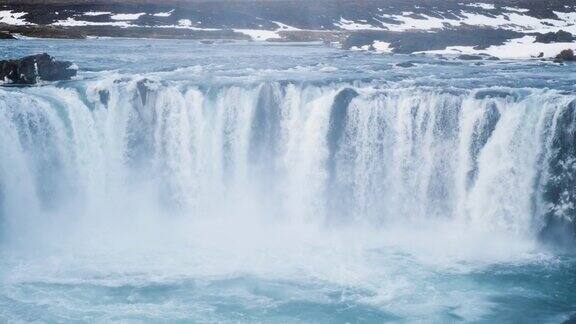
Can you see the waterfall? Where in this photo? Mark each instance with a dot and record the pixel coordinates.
(325, 154)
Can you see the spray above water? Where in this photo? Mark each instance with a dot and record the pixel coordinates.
(332, 155)
(133, 180)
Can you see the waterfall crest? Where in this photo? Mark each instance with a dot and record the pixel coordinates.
(331, 155)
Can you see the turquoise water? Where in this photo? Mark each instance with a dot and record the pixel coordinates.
(179, 182)
(530, 293)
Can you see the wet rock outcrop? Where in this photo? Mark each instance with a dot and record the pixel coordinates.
(557, 37)
(35, 68)
(565, 56)
(468, 57)
(406, 64)
(6, 35)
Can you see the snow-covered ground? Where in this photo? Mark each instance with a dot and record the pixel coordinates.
(12, 18)
(520, 48)
(127, 16)
(97, 13)
(259, 34)
(507, 18)
(164, 14)
(378, 46)
(511, 20)
(71, 22)
(521, 21)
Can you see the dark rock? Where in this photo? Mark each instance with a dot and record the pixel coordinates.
(468, 57)
(104, 97)
(570, 320)
(44, 31)
(339, 202)
(446, 62)
(541, 55)
(338, 119)
(144, 94)
(557, 37)
(483, 130)
(406, 64)
(565, 55)
(265, 127)
(143, 87)
(122, 80)
(6, 35)
(491, 93)
(31, 69)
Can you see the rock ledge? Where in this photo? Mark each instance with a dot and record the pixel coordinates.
(35, 68)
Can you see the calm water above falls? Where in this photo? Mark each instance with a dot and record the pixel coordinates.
(175, 181)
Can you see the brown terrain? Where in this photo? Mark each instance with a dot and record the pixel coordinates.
(316, 20)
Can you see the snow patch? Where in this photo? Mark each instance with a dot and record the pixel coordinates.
(378, 46)
(284, 26)
(164, 14)
(382, 47)
(23, 37)
(12, 18)
(485, 6)
(512, 19)
(97, 13)
(186, 23)
(71, 22)
(259, 35)
(569, 18)
(515, 9)
(127, 16)
(351, 25)
(519, 48)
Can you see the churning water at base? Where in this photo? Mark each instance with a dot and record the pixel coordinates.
(260, 189)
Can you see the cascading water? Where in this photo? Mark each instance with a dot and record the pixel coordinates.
(340, 153)
(286, 189)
